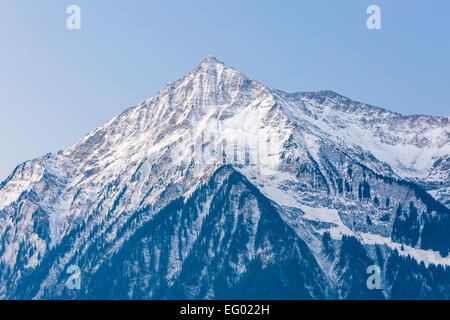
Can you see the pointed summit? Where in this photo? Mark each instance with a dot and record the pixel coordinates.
(211, 58)
(212, 82)
(211, 67)
(211, 61)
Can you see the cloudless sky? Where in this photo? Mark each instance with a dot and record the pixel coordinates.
(58, 84)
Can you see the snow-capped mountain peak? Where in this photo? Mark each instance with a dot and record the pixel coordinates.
(322, 162)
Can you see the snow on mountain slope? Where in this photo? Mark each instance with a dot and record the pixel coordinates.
(331, 164)
(415, 147)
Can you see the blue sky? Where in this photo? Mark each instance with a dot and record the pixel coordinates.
(58, 84)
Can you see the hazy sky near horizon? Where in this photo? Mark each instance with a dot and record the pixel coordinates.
(58, 84)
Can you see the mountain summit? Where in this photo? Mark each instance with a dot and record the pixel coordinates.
(218, 182)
